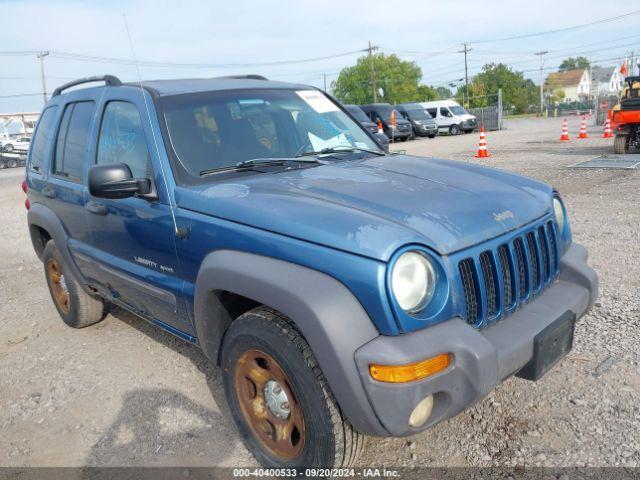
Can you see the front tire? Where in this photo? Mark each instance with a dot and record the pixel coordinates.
(454, 130)
(8, 148)
(621, 144)
(77, 308)
(279, 398)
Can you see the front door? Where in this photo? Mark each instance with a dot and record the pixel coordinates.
(133, 239)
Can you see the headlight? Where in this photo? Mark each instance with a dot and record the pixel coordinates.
(413, 281)
(558, 210)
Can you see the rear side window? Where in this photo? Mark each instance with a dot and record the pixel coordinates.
(42, 138)
(433, 112)
(122, 139)
(73, 136)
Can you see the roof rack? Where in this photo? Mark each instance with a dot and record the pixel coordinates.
(250, 76)
(108, 80)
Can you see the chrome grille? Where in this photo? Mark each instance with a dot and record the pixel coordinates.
(499, 280)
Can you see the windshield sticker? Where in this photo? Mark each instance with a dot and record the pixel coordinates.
(317, 101)
(338, 141)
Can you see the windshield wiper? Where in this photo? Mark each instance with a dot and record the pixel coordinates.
(345, 149)
(254, 162)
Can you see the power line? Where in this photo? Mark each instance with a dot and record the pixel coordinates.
(15, 95)
(151, 63)
(559, 30)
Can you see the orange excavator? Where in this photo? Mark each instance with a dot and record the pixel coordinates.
(625, 117)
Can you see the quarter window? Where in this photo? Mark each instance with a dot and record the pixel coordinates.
(71, 146)
(42, 138)
(122, 139)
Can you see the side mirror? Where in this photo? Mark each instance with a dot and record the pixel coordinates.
(116, 181)
(382, 140)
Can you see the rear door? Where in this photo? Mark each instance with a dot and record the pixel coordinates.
(66, 186)
(133, 239)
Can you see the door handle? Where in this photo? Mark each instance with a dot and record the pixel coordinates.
(49, 192)
(96, 208)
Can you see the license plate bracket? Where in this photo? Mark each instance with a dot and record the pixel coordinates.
(549, 346)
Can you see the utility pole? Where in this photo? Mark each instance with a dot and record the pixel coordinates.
(41, 56)
(541, 55)
(465, 50)
(374, 85)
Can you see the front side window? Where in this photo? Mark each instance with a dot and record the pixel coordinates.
(215, 130)
(444, 111)
(70, 156)
(122, 139)
(42, 138)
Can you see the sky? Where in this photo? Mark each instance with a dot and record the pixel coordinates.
(230, 37)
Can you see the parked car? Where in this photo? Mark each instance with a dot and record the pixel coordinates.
(361, 117)
(15, 144)
(421, 122)
(450, 116)
(383, 112)
(343, 291)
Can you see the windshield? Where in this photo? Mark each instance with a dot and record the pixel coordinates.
(418, 114)
(357, 113)
(214, 130)
(458, 110)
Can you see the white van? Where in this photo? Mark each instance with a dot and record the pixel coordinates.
(450, 116)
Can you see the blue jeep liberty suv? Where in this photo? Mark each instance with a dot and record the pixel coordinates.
(343, 291)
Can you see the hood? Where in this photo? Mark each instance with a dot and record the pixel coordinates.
(374, 206)
(467, 116)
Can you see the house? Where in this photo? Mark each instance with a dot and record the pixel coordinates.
(575, 84)
(606, 80)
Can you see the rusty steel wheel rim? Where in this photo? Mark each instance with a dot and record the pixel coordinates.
(58, 285)
(269, 405)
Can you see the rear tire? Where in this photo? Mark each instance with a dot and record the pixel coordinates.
(12, 163)
(77, 308)
(621, 144)
(261, 349)
(8, 148)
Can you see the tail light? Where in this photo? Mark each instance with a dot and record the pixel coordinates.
(24, 186)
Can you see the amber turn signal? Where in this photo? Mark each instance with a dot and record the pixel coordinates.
(410, 372)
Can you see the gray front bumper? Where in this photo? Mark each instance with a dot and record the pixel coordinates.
(481, 359)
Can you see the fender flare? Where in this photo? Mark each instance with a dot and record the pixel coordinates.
(43, 217)
(324, 310)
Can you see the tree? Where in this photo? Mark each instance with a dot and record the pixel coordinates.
(443, 93)
(518, 92)
(574, 63)
(554, 91)
(397, 79)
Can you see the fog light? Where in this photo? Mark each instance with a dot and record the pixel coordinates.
(421, 413)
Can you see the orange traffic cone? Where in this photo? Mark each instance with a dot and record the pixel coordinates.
(607, 129)
(482, 146)
(583, 128)
(380, 129)
(565, 132)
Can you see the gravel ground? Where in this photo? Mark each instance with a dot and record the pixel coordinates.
(124, 393)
